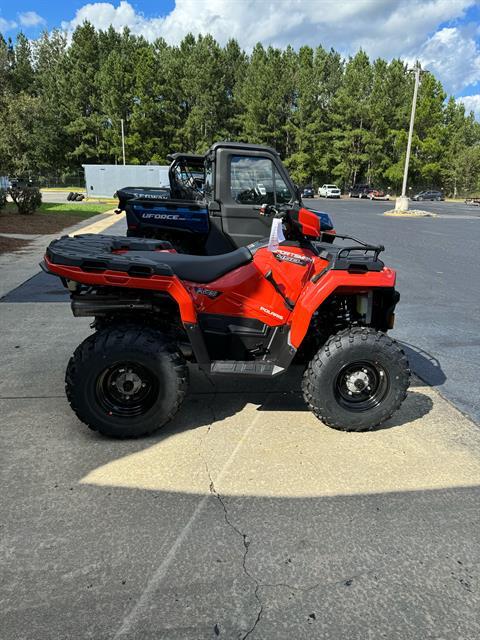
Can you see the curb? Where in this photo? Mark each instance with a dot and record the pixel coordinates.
(414, 213)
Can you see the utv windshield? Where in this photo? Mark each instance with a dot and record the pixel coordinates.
(255, 180)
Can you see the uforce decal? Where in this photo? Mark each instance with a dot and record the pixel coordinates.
(161, 216)
(289, 256)
(271, 313)
(210, 293)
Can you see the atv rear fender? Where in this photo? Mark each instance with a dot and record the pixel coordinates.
(321, 287)
(169, 284)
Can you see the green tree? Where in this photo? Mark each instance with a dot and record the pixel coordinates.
(352, 119)
(51, 82)
(22, 75)
(19, 130)
(86, 125)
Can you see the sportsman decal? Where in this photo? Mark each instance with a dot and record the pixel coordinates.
(294, 258)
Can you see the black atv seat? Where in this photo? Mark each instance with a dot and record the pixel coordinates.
(141, 257)
(200, 268)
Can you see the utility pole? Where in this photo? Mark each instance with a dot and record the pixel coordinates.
(123, 141)
(402, 202)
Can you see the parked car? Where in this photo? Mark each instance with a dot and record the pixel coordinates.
(378, 194)
(308, 192)
(360, 191)
(429, 195)
(474, 201)
(329, 191)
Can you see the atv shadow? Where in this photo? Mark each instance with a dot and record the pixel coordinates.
(282, 394)
(424, 365)
(212, 399)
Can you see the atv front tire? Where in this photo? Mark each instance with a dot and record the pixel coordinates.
(357, 380)
(126, 381)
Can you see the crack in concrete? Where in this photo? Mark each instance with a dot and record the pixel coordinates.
(245, 540)
(345, 581)
(246, 546)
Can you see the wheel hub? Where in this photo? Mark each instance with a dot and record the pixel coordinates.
(361, 385)
(127, 382)
(127, 389)
(357, 381)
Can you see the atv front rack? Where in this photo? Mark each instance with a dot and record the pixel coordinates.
(358, 258)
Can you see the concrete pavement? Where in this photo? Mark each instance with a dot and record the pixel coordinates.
(244, 518)
(22, 265)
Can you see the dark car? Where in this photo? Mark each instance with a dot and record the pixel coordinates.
(308, 192)
(360, 191)
(429, 195)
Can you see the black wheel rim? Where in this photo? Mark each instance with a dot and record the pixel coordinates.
(361, 386)
(126, 389)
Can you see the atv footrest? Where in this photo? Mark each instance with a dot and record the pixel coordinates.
(245, 367)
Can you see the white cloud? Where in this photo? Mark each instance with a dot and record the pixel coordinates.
(7, 25)
(472, 103)
(30, 19)
(453, 56)
(381, 27)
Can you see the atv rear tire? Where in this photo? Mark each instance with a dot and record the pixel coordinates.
(357, 380)
(70, 195)
(126, 381)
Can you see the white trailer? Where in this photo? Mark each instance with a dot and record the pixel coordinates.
(103, 180)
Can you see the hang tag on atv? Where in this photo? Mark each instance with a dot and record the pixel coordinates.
(276, 234)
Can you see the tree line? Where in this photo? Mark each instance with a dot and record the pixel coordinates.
(330, 118)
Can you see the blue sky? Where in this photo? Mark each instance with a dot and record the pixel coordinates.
(443, 34)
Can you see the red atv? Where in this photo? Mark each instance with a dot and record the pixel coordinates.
(245, 313)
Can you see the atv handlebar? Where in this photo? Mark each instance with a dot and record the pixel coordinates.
(271, 210)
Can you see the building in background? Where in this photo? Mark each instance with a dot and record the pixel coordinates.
(103, 180)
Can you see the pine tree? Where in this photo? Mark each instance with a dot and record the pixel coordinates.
(352, 121)
(86, 125)
(22, 74)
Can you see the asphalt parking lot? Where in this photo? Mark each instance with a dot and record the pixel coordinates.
(246, 517)
(437, 261)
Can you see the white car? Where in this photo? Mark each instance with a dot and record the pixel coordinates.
(329, 191)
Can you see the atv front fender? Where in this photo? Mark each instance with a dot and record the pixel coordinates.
(315, 293)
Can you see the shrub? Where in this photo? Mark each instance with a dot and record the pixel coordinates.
(3, 198)
(27, 199)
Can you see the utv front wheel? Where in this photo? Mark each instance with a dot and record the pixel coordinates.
(126, 381)
(357, 380)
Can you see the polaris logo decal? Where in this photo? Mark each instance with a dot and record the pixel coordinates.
(294, 258)
(271, 313)
(161, 216)
(210, 293)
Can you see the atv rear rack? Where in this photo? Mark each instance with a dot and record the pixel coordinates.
(96, 253)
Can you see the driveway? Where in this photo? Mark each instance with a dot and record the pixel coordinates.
(244, 518)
